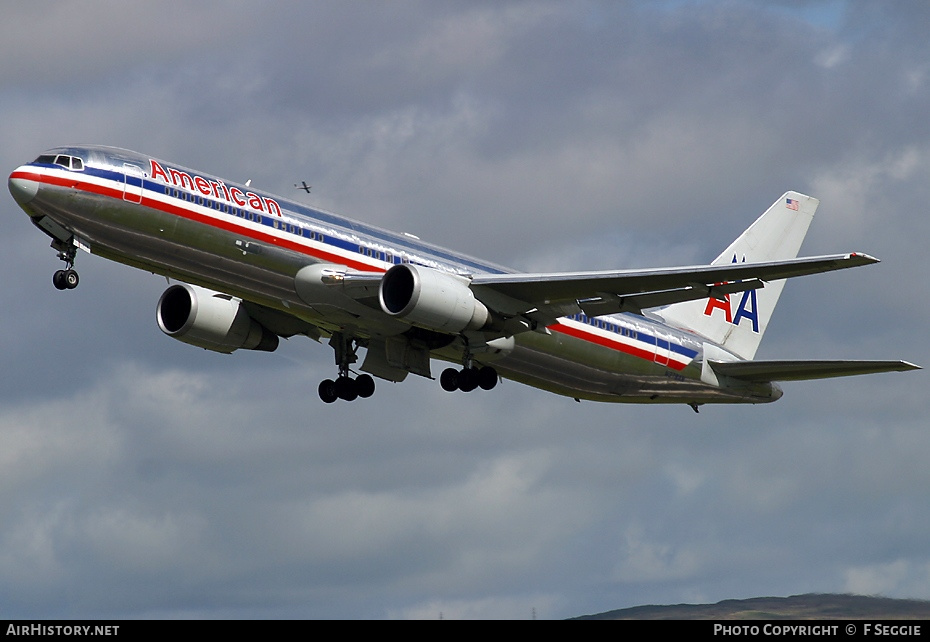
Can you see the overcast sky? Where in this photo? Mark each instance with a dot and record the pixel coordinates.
(142, 477)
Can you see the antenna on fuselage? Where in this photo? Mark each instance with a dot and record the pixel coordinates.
(248, 182)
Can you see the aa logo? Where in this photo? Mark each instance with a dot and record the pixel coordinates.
(747, 309)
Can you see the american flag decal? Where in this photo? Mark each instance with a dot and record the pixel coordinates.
(792, 204)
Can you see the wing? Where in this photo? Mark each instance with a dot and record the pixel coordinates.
(783, 370)
(541, 298)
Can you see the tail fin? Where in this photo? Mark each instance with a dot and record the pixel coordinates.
(738, 322)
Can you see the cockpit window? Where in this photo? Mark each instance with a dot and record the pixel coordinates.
(68, 162)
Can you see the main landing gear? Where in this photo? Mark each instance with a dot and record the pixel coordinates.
(345, 387)
(468, 378)
(66, 279)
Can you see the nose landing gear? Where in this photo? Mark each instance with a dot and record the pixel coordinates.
(66, 279)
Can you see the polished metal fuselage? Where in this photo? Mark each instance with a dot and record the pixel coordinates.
(229, 237)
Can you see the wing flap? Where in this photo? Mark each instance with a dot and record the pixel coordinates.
(636, 303)
(788, 370)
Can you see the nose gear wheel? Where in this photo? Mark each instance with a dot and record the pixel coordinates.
(65, 279)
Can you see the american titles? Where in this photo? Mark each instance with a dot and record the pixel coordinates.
(214, 188)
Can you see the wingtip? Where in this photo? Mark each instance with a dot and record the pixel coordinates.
(863, 258)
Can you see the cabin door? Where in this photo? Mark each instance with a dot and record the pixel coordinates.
(663, 348)
(132, 185)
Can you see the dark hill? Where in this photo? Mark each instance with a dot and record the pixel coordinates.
(797, 607)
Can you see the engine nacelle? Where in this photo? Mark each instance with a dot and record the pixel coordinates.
(431, 299)
(210, 320)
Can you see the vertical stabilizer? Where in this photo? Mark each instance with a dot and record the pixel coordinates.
(738, 321)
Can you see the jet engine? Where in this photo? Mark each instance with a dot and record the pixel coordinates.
(211, 320)
(431, 299)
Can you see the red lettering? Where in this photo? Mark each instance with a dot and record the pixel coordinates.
(273, 207)
(182, 179)
(255, 201)
(719, 304)
(237, 196)
(158, 171)
(202, 185)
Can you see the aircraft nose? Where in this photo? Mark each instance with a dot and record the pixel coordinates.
(23, 189)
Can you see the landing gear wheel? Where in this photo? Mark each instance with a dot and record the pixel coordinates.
(487, 378)
(71, 279)
(65, 279)
(468, 379)
(327, 391)
(346, 389)
(449, 380)
(365, 386)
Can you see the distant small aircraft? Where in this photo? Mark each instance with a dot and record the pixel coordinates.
(303, 185)
(258, 267)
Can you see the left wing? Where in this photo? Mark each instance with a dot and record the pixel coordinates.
(544, 297)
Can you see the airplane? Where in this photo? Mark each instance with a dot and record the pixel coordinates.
(252, 268)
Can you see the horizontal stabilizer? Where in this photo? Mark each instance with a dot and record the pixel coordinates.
(787, 370)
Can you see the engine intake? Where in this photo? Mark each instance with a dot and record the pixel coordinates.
(211, 320)
(431, 299)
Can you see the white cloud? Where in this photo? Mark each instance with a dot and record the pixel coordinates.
(899, 578)
(647, 560)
